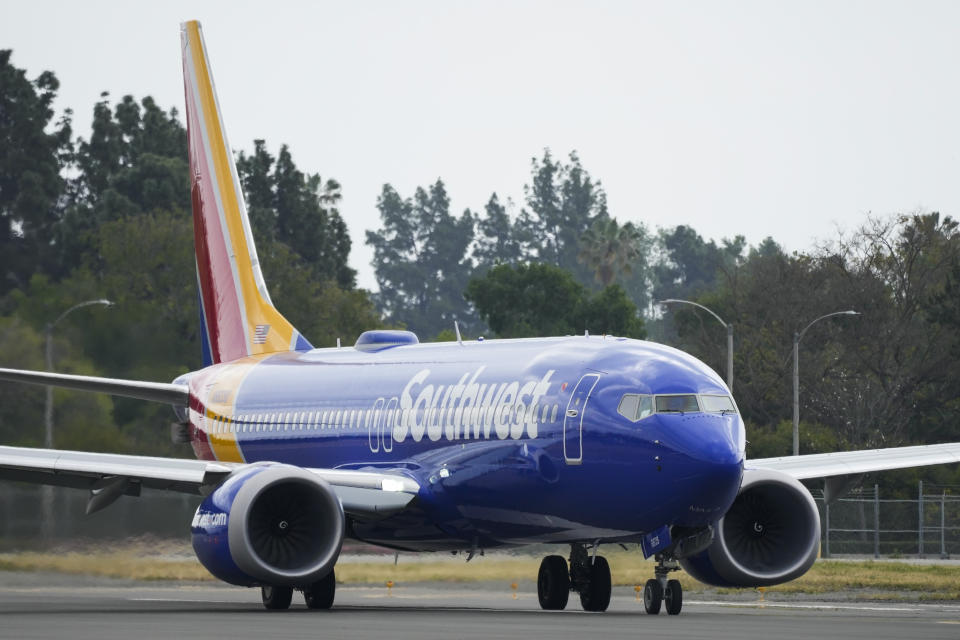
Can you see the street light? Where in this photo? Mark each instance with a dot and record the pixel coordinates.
(48, 409)
(729, 336)
(797, 337)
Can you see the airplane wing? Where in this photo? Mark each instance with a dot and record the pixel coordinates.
(175, 394)
(108, 476)
(853, 463)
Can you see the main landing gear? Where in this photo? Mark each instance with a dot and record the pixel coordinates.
(319, 595)
(659, 590)
(588, 575)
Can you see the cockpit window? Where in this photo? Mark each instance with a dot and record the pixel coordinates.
(628, 406)
(717, 404)
(635, 407)
(646, 407)
(677, 404)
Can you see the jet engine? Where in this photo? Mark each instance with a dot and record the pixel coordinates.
(769, 535)
(269, 524)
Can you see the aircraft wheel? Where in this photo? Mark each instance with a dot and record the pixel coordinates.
(320, 594)
(652, 597)
(276, 597)
(596, 597)
(673, 596)
(553, 583)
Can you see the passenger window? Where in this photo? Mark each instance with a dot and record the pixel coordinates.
(553, 414)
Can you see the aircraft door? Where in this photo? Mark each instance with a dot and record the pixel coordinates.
(573, 418)
(374, 418)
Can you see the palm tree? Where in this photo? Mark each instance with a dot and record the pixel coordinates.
(610, 249)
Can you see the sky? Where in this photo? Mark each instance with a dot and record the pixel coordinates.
(782, 119)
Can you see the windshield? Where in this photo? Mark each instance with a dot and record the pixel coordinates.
(677, 404)
(636, 406)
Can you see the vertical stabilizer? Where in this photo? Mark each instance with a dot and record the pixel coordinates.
(237, 317)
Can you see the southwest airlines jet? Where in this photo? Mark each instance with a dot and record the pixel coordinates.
(460, 446)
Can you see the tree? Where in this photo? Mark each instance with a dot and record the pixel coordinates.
(30, 182)
(539, 299)
(499, 239)
(897, 372)
(691, 265)
(135, 162)
(421, 260)
(297, 209)
(564, 202)
(611, 250)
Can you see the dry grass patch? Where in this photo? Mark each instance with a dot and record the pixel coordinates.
(108, 564)
(932, 581)
(153, 561)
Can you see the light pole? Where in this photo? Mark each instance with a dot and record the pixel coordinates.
(729, 327)
(797, 337)
(48, 410)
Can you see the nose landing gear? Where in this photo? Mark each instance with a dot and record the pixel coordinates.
(588, 576)
(659, 590)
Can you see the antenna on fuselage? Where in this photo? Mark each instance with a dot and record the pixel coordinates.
(456, 329)
(338, 343)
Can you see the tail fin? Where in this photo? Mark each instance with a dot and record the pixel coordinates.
(237, 317)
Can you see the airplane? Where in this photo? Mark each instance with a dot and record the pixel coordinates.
(458, 446)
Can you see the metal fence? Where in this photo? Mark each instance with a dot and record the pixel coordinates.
(865, 523)
(159, 514)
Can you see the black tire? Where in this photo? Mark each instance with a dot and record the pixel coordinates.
(553, 583)
(276, 598)
(596, 597)
(652, 597)
(320, 594)
(673, 597)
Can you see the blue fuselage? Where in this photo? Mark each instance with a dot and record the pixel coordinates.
(512, 441)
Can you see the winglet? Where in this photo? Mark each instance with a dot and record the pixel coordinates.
(237, 317)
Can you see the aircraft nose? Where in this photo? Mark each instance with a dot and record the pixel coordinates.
(709, 438)
(706, 461)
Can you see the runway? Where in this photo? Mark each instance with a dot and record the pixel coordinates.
(56, 606)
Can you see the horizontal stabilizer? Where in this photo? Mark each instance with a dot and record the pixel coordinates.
(176, 394)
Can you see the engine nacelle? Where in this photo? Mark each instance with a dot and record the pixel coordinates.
(269, 524)
(769, 535)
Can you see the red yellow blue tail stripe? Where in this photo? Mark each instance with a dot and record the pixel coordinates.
(239, 318)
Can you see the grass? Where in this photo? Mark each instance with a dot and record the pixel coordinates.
(875, 580)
